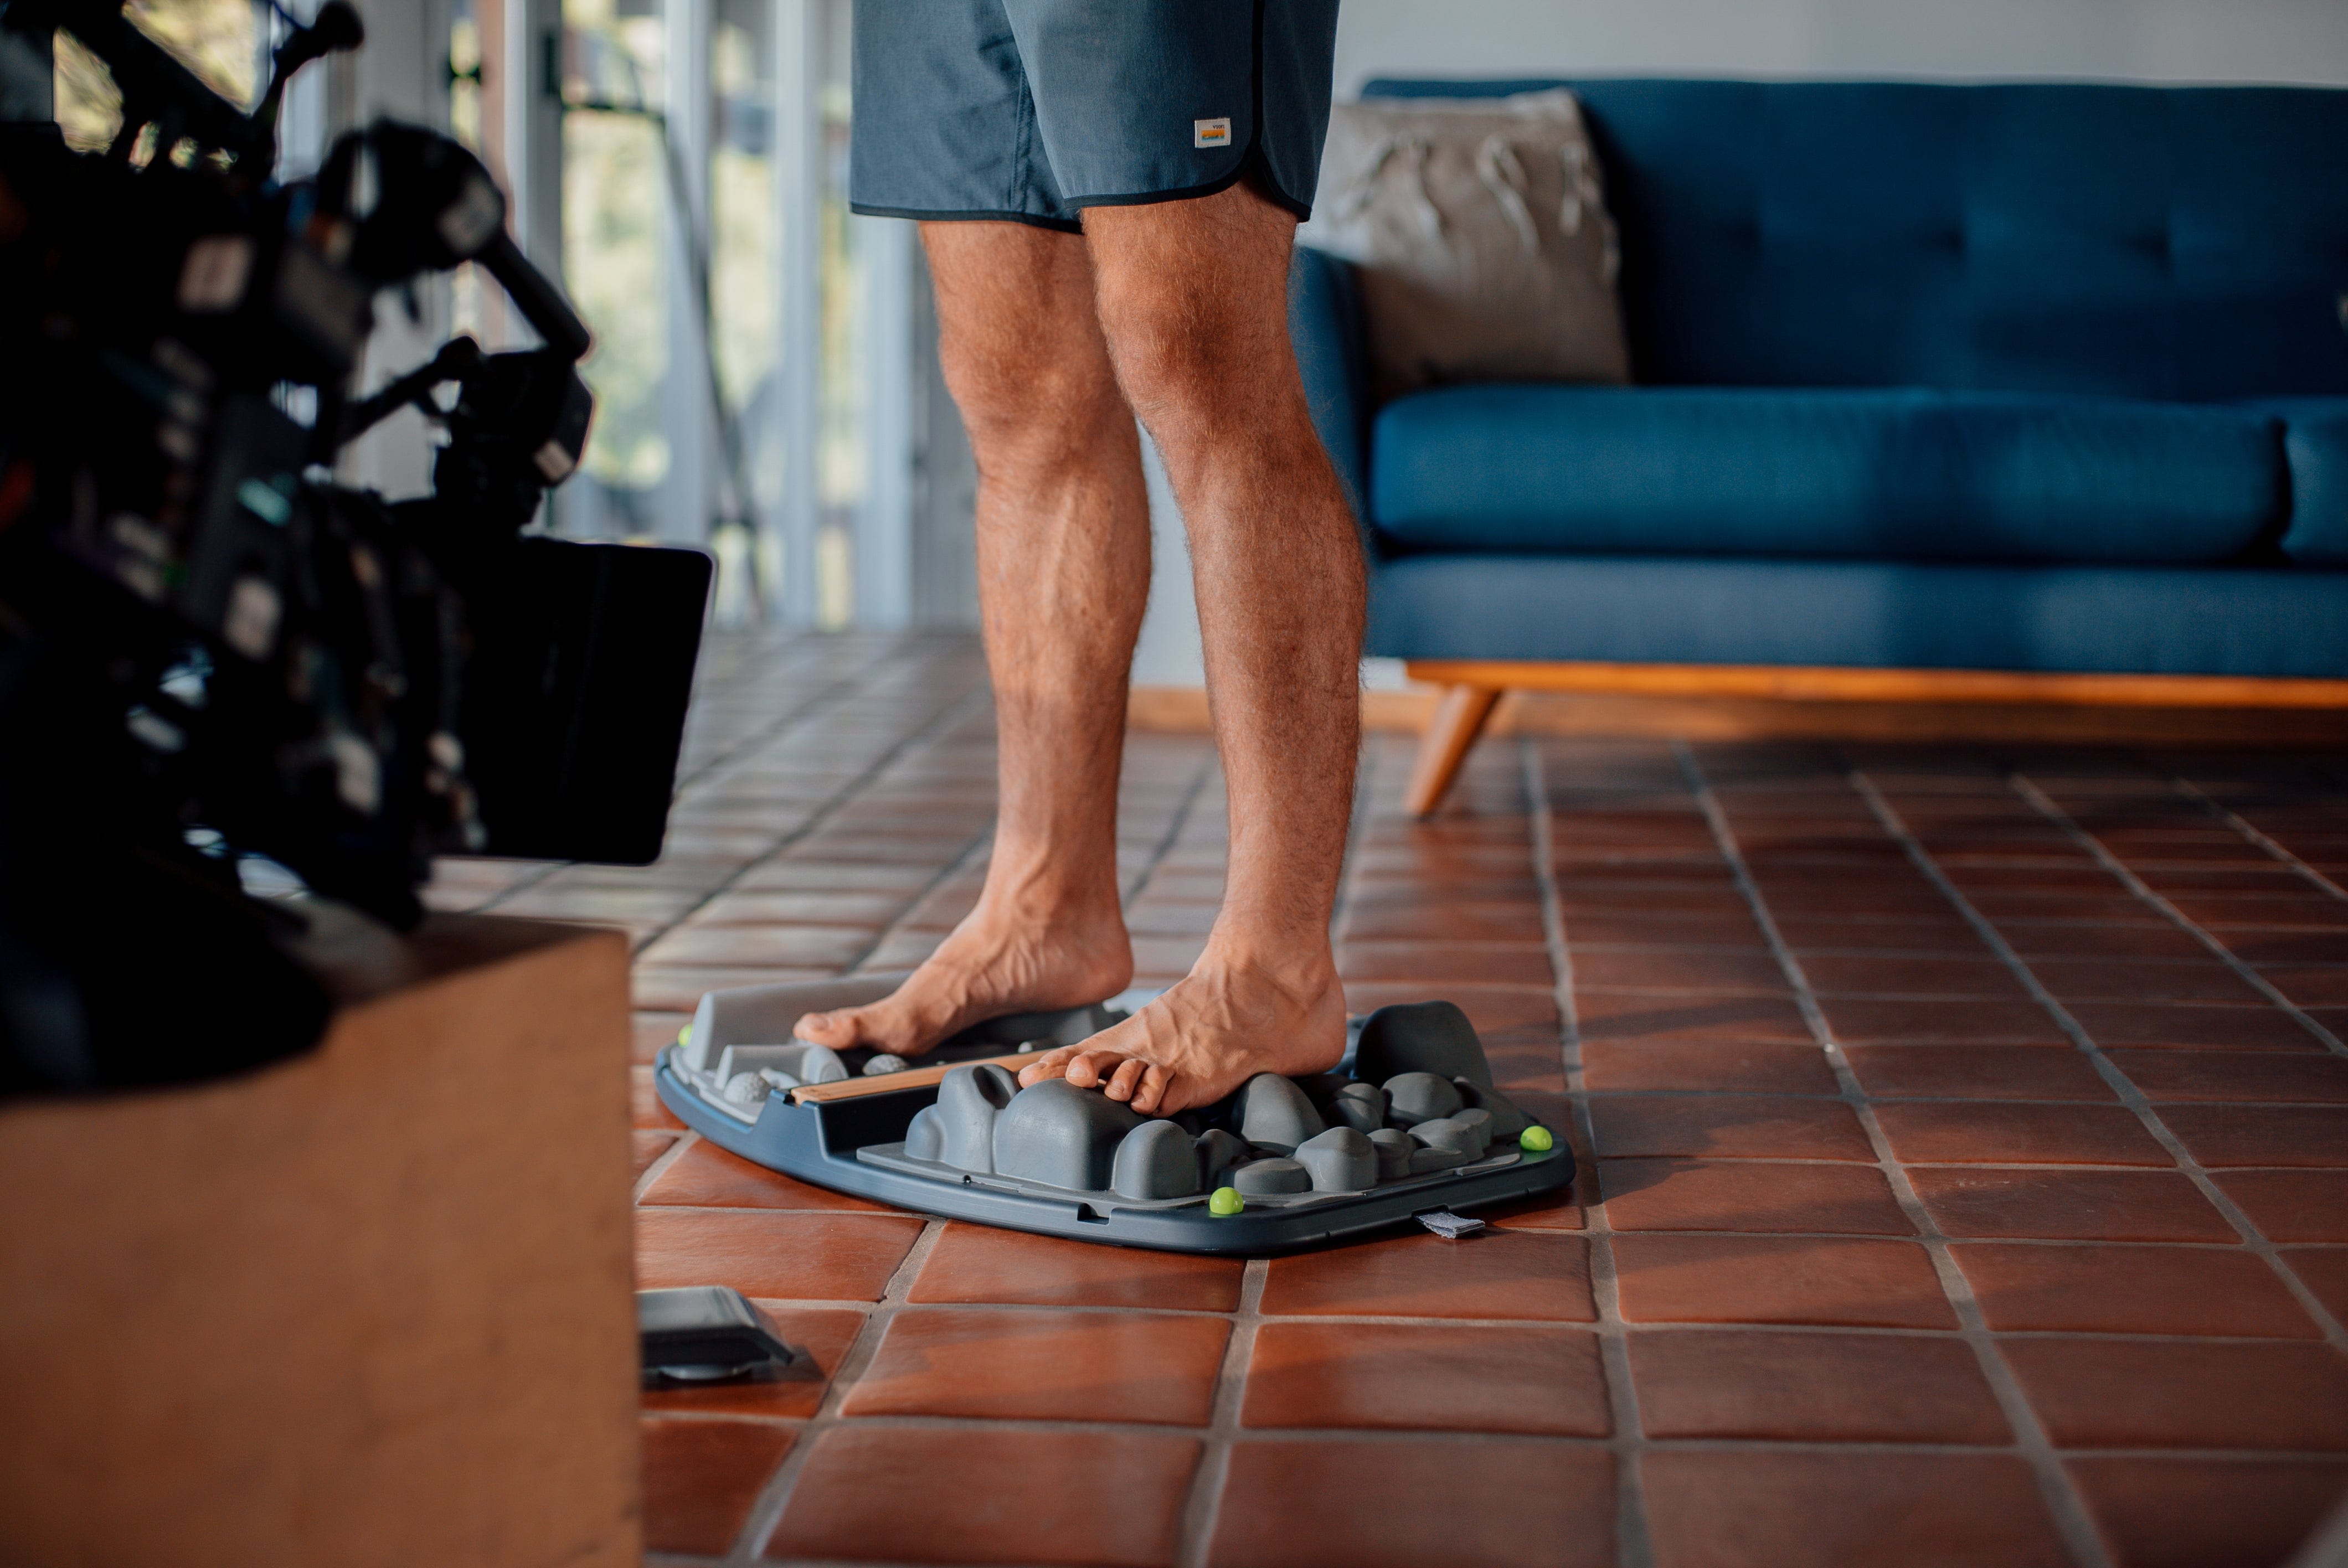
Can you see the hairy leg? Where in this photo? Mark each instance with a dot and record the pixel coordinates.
(1194, 304)
(1064, 574)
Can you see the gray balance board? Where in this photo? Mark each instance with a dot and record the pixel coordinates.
(1408, 1125)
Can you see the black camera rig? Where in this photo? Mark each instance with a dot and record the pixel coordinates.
(209, 648)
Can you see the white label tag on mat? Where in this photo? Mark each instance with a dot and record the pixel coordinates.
(1211, 132)
(1449, 1225)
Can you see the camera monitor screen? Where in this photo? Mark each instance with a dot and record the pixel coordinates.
(575, 698)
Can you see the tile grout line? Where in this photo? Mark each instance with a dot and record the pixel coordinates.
(2065, 1505)
(1195, 1531)
(2242, 825)
(2044, 805)
(1175, 822)
(1374, 1437)
(2019, 1241)
(1866, 996)
(838, 689)
(838, 801)
(983, 839)
(654, 1172)
(1201, 1510)
(2130, 1094)
(2253, 1239)
(1633, 1533)
(767, 1513)
(1527, 1325)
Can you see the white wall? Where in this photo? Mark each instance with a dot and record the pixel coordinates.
(2303, 41)
(2298, 41)
(1168, 653)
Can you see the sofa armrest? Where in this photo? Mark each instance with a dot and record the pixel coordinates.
(1324, 319)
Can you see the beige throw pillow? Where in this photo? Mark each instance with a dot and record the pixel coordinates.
(1481, 231)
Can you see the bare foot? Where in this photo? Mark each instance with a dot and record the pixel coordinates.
(992, 964)
(1215, 1028)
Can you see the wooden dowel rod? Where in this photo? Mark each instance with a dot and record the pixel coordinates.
(912, 1078)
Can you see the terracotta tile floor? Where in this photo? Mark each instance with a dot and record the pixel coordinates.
(1972, 1129)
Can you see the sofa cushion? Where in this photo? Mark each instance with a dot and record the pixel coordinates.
(1900, 475)
(1482, 232)
(2315, 444)
(2196, 620)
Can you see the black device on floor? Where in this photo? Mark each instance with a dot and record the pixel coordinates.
(209, 647)
(707, 1334)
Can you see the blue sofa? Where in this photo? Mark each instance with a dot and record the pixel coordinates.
(2027, 378)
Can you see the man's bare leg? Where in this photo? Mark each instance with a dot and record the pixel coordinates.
(1194, 301)
(1064, 575)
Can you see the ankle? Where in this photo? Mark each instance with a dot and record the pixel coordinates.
(1300, 964)
(1042, 897)
(1056, 909)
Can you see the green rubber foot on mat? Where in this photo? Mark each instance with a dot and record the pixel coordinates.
(1226, 1201)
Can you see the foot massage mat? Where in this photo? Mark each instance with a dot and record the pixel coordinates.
(1408, 1125)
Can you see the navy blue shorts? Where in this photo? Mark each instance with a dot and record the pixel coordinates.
(1033, 110)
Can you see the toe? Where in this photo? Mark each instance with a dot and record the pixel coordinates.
(1086, 1067)
(823, 1027)
(1155, 1081)
(1051, 1065)
(1127, 1076)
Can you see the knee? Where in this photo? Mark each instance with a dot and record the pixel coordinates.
(1031, 401)
(1185, 357)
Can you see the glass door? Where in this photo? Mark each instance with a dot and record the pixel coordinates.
(746, 302)
(616, 216)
